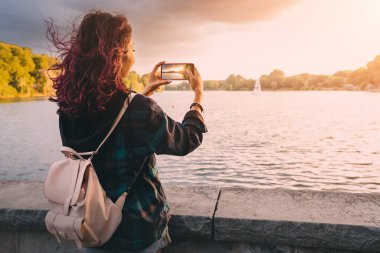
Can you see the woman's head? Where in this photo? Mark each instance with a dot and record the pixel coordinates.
(92, 63)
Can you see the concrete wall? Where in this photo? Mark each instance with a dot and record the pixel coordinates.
(211, 219)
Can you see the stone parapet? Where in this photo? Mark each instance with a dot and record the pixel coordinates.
(211, 219)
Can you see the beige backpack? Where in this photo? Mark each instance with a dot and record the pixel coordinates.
(80, 209)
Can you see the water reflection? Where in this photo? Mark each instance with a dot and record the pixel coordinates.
(294, 140)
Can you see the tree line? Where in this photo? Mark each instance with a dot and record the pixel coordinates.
(366, 78)
(24, 74)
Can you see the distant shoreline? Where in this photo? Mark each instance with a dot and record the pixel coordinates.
(41, 97)
(280, 90)
(22, 99)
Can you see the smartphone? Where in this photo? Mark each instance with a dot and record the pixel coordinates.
(176, 71)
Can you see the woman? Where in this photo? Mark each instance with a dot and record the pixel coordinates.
(89, 94)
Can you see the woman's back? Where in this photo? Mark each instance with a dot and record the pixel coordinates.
(90, 93)
(129, 153)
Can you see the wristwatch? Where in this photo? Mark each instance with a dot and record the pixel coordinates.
(197, 105)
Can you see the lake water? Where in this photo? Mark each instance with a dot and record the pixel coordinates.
(295, 140)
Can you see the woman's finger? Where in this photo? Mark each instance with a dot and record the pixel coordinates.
(154, 75)
(158, 83)
(150, 88)
(156, 67)
(190, 74)
(196, 72)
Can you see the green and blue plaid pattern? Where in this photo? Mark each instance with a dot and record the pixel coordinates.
(143, 131)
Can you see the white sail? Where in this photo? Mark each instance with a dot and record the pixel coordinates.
(257, 87)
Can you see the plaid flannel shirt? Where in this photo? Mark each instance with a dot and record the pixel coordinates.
(143, 131)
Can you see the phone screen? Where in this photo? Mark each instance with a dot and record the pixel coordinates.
(176, 71)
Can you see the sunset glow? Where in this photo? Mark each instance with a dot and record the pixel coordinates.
(247, 37)
(313, 36)
(278, 94)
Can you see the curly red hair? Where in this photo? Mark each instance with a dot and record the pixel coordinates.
(89, 63)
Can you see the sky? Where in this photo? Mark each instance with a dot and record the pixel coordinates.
(221, 37)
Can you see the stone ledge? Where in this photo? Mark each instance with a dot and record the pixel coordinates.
(320, 221)
(192, 210)
(22, 220)
(333, 220)
(208, 246)
(23, 207)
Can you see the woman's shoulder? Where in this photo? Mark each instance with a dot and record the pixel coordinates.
(144, 103)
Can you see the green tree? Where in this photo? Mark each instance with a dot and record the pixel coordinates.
(22, 66)
(373, 68)
(21, 71)
(39, 73)
(276, 78)
(133, 81)
(211, 85)
(359, 77)
(334, 82)
(236, 82)
(265, 83)
(343, 73)
(250, 83)
(296, 82)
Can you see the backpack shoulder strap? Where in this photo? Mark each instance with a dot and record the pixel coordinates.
(123, 109)
(70, 152)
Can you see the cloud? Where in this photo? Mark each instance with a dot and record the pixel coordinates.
(163, 28)
(228, 11)
(159, 26)
(22, 22)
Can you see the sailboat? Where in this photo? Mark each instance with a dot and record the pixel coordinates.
(257, 87)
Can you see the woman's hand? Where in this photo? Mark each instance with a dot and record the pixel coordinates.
(196, 85)
(195, 81)
(154, 81)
